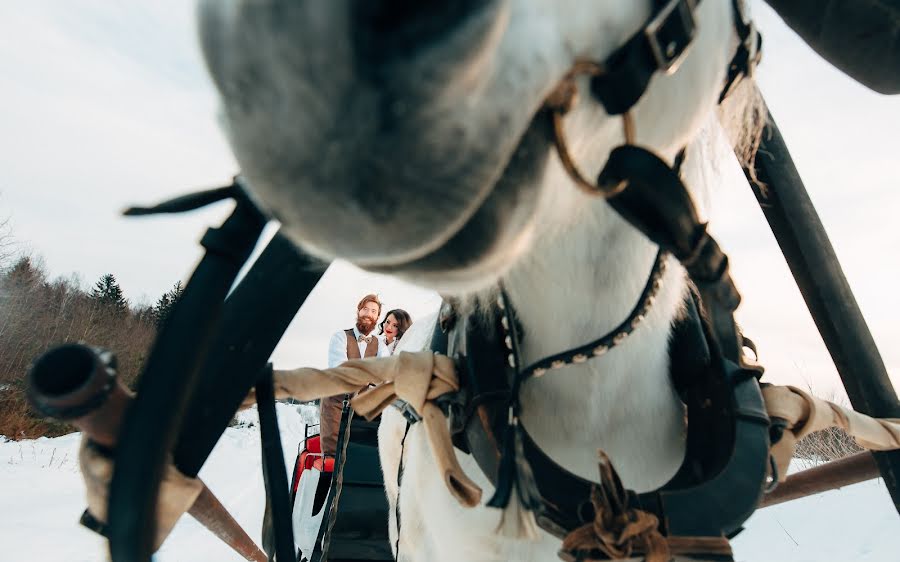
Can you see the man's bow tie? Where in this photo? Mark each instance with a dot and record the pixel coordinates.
(362, 338)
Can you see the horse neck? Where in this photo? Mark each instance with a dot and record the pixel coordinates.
(580, 284)
(574, 288)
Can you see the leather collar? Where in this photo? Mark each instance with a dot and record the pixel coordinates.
(721, 478)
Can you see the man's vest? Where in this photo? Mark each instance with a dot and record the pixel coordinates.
(330, 408)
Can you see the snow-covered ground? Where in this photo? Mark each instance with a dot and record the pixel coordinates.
(42, 496)
(854, 524)
(41, 499)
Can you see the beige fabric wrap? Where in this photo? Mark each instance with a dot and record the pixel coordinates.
(805, 414)
(177, 492)
(417, 378)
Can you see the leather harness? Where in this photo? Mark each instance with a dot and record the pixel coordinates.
(724, 472)
(722, 476)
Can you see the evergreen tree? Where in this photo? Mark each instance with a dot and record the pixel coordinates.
(108, 293)
(161, 309)
(176, 292)
(23, 275)
(164, 305)
(146, 314)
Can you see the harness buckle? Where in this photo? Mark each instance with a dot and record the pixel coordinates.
(670, 34)
(410, 413)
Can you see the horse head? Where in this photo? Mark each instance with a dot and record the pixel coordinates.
(409, 137)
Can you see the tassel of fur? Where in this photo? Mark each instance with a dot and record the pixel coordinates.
(516, 494)
(516, 522)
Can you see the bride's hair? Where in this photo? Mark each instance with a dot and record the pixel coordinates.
(403, 321)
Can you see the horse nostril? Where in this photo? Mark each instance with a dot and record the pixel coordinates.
(383, 30)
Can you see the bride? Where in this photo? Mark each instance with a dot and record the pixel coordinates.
(392, 328)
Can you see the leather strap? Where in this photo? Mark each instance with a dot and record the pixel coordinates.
(659, 46)
(724, 407)
(400, 488)
(274, 471)
(748, 52)
(727, 439)
(657, 203)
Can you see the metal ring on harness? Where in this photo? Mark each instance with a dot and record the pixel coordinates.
(560, 102)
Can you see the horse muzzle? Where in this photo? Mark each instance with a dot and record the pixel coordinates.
(353, 122)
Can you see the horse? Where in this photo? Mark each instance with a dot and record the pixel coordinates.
(411, 138)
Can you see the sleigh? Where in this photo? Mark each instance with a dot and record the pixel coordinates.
(338, 506)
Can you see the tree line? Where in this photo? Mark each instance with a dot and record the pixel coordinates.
(37, 313)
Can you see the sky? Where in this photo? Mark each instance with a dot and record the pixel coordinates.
(104, 105)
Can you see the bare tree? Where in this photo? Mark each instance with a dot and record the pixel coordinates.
(7, 243)
(37, 313)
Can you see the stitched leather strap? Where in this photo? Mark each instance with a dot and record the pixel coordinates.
(657, 203)
(659, 45)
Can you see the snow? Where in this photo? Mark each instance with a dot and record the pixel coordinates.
(857, 523)
(42, 499)
(42, 495)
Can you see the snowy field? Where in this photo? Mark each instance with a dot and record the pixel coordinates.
(42, 499)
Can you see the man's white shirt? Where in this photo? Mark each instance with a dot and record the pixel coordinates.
(337, 348)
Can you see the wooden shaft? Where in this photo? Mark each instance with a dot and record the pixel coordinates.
(210, 512)
(69, 378)
(835, 474)
(813, 262)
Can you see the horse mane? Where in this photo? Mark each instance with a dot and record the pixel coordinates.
(743, 117)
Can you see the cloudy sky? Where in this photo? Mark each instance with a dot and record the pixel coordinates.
(104, 105)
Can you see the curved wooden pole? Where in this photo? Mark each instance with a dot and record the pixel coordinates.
(830, 476)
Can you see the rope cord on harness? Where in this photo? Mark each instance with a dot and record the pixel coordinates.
(602, 345)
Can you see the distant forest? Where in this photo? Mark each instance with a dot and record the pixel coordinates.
(37, 313)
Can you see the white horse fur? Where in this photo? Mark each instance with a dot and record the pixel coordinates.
(429, 164)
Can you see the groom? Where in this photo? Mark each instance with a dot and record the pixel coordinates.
(348, 344)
